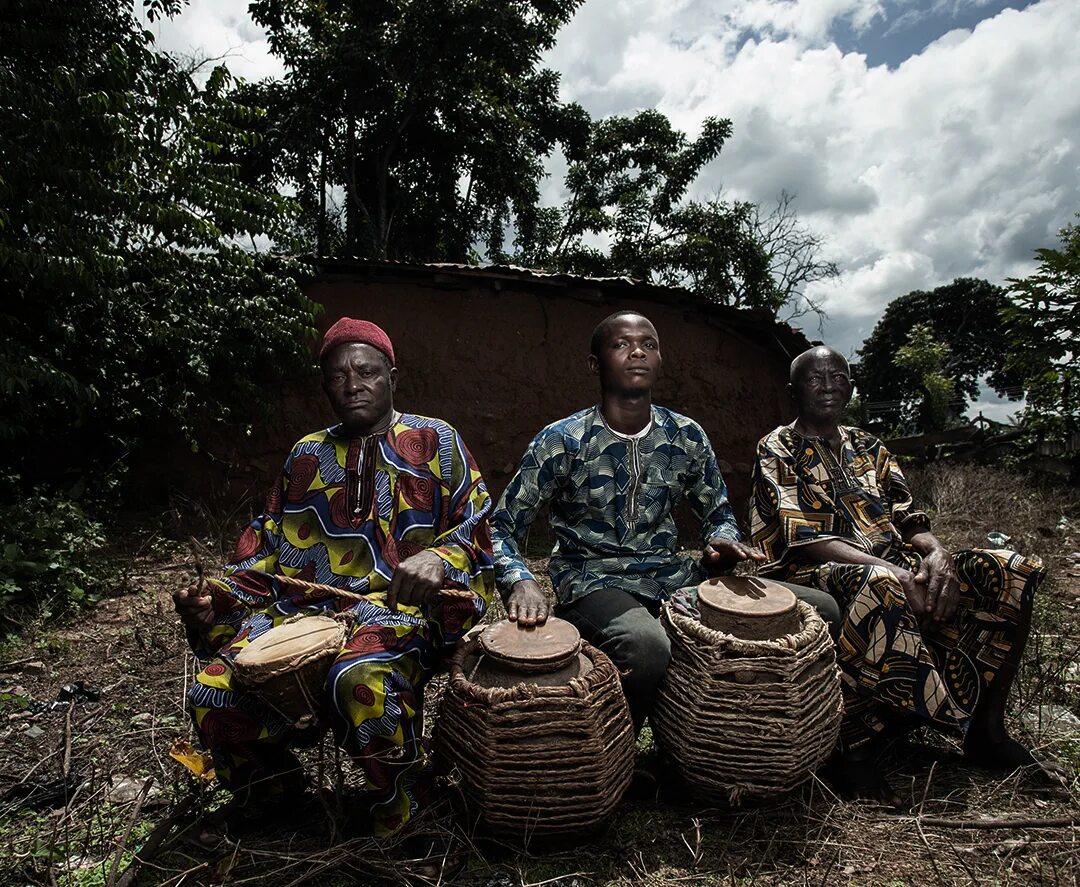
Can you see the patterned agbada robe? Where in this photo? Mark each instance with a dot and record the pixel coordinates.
(346, 512)
(611, 497)
(892, 670)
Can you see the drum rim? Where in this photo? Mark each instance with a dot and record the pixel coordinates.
(243, 657)
(786, 595)
(553, 661)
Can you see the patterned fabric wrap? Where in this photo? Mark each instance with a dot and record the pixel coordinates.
(891, 669)
(611, 499)
(802, 494)
(346, 512)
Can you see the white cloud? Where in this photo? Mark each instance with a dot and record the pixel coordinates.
(218, 28)
(961, 161)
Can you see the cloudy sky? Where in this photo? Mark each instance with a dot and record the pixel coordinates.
(926, 139)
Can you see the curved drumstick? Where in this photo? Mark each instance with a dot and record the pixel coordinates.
(444, 594)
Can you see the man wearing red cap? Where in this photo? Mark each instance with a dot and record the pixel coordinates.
(385, 504)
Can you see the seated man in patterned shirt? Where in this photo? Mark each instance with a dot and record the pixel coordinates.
(385, 504)
(928, 636)
(611, 475)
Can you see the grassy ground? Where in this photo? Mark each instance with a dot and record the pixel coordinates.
(131, 648)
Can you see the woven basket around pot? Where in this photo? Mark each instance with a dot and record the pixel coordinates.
(748, 718)
(537, 760)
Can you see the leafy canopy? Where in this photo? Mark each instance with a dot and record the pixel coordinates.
(963, 316)
(925, 359)
(1043, 321)
(419, 132)
(411, 130)
(134, 293)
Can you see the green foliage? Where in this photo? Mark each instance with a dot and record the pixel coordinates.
(963, 316)
(626, 190)
(418, 132)
(1043, 322)
(627, 214)
(411, 130)
(50, 554)
(134, 295)
(925, 359)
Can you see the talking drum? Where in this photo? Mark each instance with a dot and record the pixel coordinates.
(751, 704)
(287, 667)
(536, 724)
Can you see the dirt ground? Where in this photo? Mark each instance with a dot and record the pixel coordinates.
(964, 826)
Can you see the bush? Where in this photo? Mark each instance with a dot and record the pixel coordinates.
(50, 557)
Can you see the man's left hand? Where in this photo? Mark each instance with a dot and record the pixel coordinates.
(938, 571)
(416, 580)
(721, 553)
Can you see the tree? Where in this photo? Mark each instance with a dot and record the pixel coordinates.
(411, 130)
(134, 293)
(925, 359)
(625, 214)
(964, 316)
(1042, 317)
(794, 253)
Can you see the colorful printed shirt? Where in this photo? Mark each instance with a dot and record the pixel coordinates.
(346, 511)
(803, 493)
(611, 497)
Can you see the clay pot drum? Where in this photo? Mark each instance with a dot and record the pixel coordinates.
(547, 655)
(748, 607)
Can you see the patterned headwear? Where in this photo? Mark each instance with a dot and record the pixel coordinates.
(349, 329)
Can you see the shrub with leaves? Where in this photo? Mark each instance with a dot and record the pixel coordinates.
(50, 555)
(140, 292)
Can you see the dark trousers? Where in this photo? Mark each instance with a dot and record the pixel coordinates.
(626, 628)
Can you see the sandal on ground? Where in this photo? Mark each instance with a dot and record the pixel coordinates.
(431, 859)
(855, 776)
(1008, 755)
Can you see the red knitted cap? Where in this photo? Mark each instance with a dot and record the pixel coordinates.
(349, 329)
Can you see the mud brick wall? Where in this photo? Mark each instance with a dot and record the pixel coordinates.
(500, 356)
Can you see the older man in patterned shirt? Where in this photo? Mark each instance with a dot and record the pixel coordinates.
(387, 505)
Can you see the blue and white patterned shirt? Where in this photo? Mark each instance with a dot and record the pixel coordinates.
(611, 496)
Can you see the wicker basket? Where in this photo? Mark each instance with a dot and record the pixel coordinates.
(538, 760)
(748, 718)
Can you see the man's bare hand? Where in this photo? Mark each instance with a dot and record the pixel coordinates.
(416, 580)
(195, 608)
(938, 572)
(527, 604)
(721, 553)
(914, 590)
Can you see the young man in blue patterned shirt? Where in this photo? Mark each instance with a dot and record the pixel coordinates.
(611, 475)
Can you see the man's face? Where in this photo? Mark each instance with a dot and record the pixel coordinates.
(629, 359)
(359, 385)
(822, 388)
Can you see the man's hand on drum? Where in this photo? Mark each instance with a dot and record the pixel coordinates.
(528, 604)
(195, 608)
(722, 553)
(416, 581)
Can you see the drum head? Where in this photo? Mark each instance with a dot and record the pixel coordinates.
(553, 643)
(747, 606)
(292, 641)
